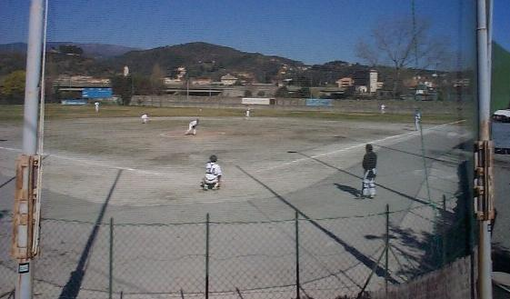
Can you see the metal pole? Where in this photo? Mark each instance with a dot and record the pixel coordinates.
(31, 110)
(207, 257)
(386, 249)
(110, 268)
(426, 172)
(297, 256)
(444, 248)
(187, 90)
(443, 235)
(490, 8)
(484, 245)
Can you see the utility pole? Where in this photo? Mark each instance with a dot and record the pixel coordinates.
(484, 153)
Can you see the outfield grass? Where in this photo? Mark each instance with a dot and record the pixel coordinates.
(57, 111)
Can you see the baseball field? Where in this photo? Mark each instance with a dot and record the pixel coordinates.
(276, 165)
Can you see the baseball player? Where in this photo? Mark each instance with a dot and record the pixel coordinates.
(145, 118)
(212, 178)
(369, 172)
(192, 127)
(96, 106)
(417, 119)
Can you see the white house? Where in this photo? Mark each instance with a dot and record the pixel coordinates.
(228, 79)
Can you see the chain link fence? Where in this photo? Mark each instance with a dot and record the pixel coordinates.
(346, 257)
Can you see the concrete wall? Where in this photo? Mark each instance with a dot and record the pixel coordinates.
(450, 282)
(348, 106)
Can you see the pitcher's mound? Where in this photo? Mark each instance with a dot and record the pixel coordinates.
(201, 135)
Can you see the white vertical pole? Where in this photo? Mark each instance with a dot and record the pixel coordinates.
(484, 84)
(30, 125)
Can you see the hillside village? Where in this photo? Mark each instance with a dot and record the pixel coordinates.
(200, 69)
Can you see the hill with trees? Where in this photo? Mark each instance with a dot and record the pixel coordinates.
(201, 60)
(93, 50)
(205, 60)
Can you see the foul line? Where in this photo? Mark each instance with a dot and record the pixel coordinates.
(400, 136)
(90, 162)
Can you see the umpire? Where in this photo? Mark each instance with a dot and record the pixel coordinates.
(369, 172)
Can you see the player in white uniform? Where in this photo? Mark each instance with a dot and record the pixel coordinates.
(96, 104)
(212, 178)
(145, 118)
(417, 119)
(192, 128)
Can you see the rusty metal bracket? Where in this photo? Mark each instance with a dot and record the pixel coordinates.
(25, 197)
(483, 185)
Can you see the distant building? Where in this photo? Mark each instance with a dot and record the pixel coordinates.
(181, 73)
(367, 81)
(361, 89)
(461, 82)
(171, 81)
(345, 82)
(81, 81)
(372, 81)
(228, 79)
(415, 81)
(201, 81)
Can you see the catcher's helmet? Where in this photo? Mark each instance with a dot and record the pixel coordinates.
(213, 158)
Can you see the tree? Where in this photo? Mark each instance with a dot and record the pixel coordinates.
(70, 49)
(400, 43)
(157, 77)
(282, 92)
(141, 84)
(123, 86)
(303, 92)
(14, 87)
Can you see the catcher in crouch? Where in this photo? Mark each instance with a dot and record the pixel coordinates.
(212, 178)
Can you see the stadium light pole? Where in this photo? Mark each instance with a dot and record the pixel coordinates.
(30, 130)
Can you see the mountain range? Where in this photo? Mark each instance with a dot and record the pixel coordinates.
(200, 60)
(90, 49)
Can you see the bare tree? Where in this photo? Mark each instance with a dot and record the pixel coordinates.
(156, 79)
(399, 43)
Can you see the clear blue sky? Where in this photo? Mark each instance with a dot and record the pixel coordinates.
(312, 31)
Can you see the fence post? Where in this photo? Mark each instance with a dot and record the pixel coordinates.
(207, 257)
(110, 268)
(443, 233)
(297, 256)
(387, 249)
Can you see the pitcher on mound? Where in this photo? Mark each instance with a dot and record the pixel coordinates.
(192, 127)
